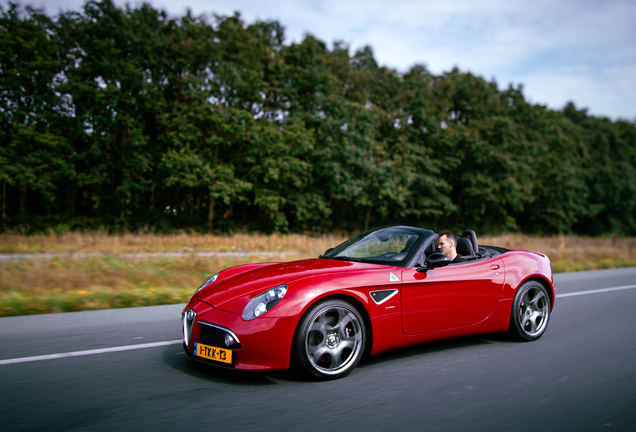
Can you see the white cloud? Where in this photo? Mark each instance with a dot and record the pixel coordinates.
(612, 90)
(566, 50)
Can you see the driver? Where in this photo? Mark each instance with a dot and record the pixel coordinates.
(448, 244)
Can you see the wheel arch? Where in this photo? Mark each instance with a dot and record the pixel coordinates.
(368, 343)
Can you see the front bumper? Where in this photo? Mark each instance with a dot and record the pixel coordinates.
(264, 343)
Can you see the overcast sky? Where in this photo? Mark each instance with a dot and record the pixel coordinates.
(582, 51)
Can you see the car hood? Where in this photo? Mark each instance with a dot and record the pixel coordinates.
(260, 279)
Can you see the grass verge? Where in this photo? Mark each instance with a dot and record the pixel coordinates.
(65, 283)
(14, 303)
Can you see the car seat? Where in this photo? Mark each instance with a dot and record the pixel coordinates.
(472, 237)
(465, 250)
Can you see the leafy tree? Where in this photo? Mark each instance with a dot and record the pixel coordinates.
(127, 117)
(35, 158)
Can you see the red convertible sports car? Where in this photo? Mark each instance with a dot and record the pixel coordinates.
(381, 290)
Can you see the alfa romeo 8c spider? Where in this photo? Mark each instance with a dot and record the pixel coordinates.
(381, 290)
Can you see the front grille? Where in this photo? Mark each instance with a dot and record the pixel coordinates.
(215, 336)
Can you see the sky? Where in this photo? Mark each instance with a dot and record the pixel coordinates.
(559, 51)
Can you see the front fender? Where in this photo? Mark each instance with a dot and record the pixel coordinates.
(303, 292)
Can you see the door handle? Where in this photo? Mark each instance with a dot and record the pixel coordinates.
(494, 267)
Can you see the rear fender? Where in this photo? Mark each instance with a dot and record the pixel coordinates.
(522, 266)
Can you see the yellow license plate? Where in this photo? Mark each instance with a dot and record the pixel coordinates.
(212, 353)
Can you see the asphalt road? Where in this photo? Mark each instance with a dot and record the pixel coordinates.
(581, 375)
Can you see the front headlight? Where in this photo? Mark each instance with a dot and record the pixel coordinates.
(207, 282)
(264, 302)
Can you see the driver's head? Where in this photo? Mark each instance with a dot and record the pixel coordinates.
(447, 243)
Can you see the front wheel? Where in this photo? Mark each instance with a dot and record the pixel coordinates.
(530, 312)
(330, 339)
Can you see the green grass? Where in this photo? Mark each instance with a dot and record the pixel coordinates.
(563, 266)
(15, 303)
(65, 284)
(118, 283)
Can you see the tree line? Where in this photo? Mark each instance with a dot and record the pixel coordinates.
(128, 118)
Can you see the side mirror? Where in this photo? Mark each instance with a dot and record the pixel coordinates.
(435, 260)
(438, 259)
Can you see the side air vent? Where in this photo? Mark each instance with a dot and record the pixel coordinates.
(381, 296)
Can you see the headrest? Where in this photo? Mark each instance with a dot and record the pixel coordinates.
(470, 235)
(464, 247)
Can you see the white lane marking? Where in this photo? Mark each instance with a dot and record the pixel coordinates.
(173, 342)
(626, 287)
(88, 352)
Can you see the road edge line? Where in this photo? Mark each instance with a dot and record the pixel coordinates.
(88, 352)
(597, 291)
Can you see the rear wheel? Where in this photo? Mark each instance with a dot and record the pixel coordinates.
(330, 339)
(530, 312)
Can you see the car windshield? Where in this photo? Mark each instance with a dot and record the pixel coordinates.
(388, 245)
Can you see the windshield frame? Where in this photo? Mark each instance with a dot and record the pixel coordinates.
(424, 238)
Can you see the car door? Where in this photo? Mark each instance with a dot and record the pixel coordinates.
(452, 296)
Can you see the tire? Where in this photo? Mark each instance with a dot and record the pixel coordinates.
(330, 339)
(530, 313)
